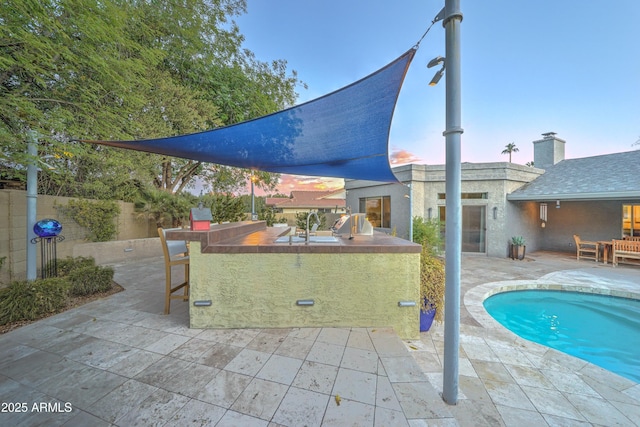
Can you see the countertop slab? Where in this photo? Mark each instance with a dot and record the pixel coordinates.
(256, 237)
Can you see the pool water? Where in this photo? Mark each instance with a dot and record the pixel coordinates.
(601, 329)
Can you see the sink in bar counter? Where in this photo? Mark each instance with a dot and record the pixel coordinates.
(312, 239)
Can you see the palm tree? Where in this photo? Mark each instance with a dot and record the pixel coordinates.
(510, 148)
(166, 209)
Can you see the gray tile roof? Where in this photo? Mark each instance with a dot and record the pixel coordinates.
(611, 176)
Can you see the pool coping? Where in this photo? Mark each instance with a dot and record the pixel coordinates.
(573, 281)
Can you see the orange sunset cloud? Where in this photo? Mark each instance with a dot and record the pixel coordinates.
(311, 183)
(402, 157)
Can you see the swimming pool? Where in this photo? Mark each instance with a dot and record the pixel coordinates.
(601, 329)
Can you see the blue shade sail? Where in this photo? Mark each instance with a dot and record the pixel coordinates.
(344, 134)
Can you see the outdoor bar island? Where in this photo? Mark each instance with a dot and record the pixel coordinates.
(248, 275)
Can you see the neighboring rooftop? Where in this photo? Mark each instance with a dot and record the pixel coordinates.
(605, 177)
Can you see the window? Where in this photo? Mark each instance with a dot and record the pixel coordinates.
(442, 196)
(631, 220)
(377, 210)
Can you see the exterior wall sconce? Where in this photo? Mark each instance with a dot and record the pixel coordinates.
(429, 214)
(557, 204)
(495, 212)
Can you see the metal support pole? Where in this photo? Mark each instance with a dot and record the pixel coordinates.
(453, 239)
(32, 196)
(411, 212)
(253, 205)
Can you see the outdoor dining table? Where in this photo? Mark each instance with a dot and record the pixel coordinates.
(607, 247)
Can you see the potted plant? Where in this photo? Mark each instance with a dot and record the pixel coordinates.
(518, 247)
(432, 283)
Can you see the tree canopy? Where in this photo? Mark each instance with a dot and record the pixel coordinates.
(127, 69)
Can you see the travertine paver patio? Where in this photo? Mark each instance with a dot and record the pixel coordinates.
(119, 361)
(506, 380)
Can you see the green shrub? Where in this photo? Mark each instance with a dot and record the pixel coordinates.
(432, 283)
(78, 276)
(268, 214)
(96, 216)
(89, 280)
(68, 264)
(167, 210)
(301, 220)
(427, 232)
(31, 300)
(225, 207)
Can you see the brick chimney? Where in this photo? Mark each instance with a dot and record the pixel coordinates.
(548, 151)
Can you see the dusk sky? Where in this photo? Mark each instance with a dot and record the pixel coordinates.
(567, 66)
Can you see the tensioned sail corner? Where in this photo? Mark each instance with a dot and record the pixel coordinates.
(344, 134)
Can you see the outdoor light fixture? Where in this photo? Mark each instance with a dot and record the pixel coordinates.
(305, 302)
(406, 303)
(434, 81)
(202, 303)
(429, 213)
(435, 61)
(558, 204)
(495, 212)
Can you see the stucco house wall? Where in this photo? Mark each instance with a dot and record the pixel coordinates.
(591, 192)
(428, 181)
(399, 203)
(591, 220)
(522, 221)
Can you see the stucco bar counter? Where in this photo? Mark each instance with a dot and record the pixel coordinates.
(241, 278)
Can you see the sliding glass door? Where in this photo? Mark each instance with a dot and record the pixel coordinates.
(474, 227)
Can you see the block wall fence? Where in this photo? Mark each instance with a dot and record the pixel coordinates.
(136, 238)
(13, 231)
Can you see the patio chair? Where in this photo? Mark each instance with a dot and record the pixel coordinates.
(585, 249)
(175, 253)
